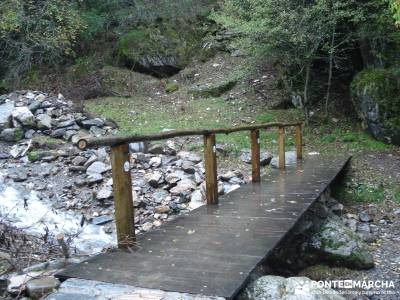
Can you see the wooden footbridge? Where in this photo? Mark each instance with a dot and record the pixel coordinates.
(211, 250)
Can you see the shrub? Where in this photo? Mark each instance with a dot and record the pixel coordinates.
(36, 33)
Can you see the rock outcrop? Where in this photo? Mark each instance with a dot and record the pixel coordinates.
(323, 235)
(160, 51)
(280, 288)
(376, 97)
(337, 244)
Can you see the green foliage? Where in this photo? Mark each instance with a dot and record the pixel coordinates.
(294, 34)
(36, 33)
(395, 6)
(48, 33)
(116, 17)
(349, 137)
(360, 193)
(167, 40)
(396, 194)
(266, 117)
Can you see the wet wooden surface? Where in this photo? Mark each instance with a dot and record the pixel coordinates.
(213, 249)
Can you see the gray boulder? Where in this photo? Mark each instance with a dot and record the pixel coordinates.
(184, 155)
(24, 116)
(156, 149)
(93, 122)
(138, 147)
(290, 159)
(11, 134)
(185, 186)
(97, 167)
(5, 114)
(280, 288)
(212, 90)
(104, 193)
(155, 179)
(265, 157)
(43, 121)
(338, 244)
(37, 288)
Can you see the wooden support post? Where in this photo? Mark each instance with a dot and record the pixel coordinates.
(282, 159)
(299, 142)
(122, 187)
(255, 155)
(210, 162)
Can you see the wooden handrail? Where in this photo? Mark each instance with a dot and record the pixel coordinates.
(85, 143)
(121, 172)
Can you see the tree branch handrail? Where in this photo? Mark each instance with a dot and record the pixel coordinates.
(89, 142)
(121, 170)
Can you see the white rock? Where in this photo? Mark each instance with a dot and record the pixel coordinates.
(185, 186)
(6, 110)
(196, 199)
(279, 288)
(104, 193)
(23, 115)
(97, 167)
(43, 121)
(290, 159)
(155, 179)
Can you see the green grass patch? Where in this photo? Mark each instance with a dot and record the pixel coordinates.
(139, 116)
(396, 194)
(266, 117)
(361, 193)
(345, 138)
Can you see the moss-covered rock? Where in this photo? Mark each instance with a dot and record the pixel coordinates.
(171, 87)
(212, 90)
(33, 156)
(376, 97)
(162, 50)
(11, 134)
(338, 244)
(36, 155)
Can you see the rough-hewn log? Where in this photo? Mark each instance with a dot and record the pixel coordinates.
(299, 142)
(255, 155)
(282, 158)
(117, 140)
(210, 164)
(122, 187)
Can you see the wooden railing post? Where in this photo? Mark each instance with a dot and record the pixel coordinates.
(299, 142)
(282, 159)
(255, 155)
(122, 187)
(210, 163)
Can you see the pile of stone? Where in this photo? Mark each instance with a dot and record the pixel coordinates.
(27, 113)
(165, 182)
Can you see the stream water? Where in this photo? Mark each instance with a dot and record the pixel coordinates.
(27, 211)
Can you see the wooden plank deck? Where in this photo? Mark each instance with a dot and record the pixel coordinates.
(213, 249)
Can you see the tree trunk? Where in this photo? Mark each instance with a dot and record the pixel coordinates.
(305, 92)
(331, 56)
